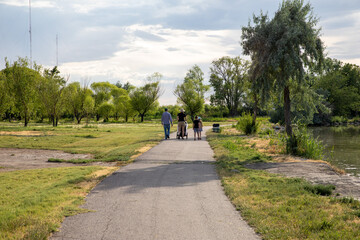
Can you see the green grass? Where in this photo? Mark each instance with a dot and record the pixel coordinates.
(34, 202)
(279, 207)
(107, 142)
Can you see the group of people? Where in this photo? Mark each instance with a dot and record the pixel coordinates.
(167, 121)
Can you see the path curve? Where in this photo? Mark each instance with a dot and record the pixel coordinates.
(170, 192)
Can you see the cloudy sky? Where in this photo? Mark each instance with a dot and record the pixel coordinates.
(128, 40)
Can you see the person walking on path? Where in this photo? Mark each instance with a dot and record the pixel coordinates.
(200, 126)
(166, 120)
(181, 117)
(196, 127)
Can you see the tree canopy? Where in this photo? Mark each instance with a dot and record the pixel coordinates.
(283, 47)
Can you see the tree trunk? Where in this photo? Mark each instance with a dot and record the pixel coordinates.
(142, 117)
(26, 120)
(287, 111)
(255, 108)
(56, 122)
(53, 120)
(126, 118)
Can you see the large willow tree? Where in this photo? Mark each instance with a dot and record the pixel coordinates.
(282, 48)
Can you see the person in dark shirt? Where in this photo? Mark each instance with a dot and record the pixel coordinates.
(181, 117)
(196, 127)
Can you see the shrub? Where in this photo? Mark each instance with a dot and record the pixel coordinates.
(338, 119)
(246, 125)
(301, 143)
(323, 190)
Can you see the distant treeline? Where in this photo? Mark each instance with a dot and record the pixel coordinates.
(41, 94)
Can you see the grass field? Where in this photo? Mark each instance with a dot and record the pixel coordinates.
(34, 202)
(107, 142)
(279, 207)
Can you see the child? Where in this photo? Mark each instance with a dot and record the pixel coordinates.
(196, 127)
(200, 126)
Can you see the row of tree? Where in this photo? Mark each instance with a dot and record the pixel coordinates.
(42, 93)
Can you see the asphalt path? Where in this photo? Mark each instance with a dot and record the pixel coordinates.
(170, 192)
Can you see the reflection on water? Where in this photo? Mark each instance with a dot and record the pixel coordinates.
(342, 146)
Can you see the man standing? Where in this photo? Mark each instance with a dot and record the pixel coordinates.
(166, 120)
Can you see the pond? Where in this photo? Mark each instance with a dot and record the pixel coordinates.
(342, 146)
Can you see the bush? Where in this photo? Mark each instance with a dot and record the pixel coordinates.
(301, 143)
(338, 119)
(323, 190)
(246, 125)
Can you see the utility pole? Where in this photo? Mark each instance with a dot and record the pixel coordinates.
(30, 34)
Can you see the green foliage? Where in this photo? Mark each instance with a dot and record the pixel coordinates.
(323, 190)
(145, 99)
(302, 143)
(338, 119)
(191, 92)
(21, 85)
(105, 110)
(228, 78)
(51, 93)
(341, 82)
(282, 48)
(247, 125)
(76, 96)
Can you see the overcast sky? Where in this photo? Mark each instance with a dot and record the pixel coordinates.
(128, 40)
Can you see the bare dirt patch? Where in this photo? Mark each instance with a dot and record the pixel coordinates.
(26, 133)
(16, 159)
(141, 151)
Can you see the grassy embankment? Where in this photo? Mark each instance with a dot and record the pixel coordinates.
(34, 202)
(279, 207)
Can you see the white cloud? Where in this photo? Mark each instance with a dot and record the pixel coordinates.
(25, 3)
(342, 42)
(140, 57)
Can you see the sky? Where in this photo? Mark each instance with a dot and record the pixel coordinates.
(128, 40)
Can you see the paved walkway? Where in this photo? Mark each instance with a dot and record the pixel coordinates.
(170, 192)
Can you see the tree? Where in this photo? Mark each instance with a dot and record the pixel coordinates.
(228, 78)
(102, 93)
(144, 99)
(5, 97)
(105, 110)
(22, 83)
(341, 82)
(119, 97)
(127, 86)
(282, 48)
(191, 93)
(89, 104)
(76, 96)
(50, 91)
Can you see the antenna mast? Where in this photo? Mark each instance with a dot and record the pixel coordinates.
(57, 51)
(30, 34)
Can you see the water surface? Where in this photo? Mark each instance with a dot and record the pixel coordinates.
(342, 146)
